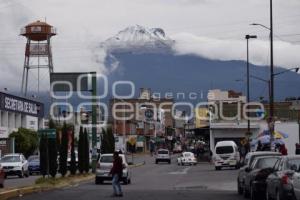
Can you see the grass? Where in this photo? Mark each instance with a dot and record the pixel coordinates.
(60, 180)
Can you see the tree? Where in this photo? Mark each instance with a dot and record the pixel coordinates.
(43, 155)
(52, 150)
(26, 141)
(81, 151)
(73, 167)
(86, 152)
(108, 141)
(63, 153)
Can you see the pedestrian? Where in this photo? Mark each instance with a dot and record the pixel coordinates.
(283, 150)
(116, 172)
(259, 146)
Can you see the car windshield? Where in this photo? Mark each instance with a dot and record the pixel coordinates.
(10, 159)
(187, 155)
(163, 152)
(293, 164)
(33, 158)
(224, 150)
(265, 163)
(107, 159)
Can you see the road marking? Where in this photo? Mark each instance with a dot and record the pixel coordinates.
(183, 171)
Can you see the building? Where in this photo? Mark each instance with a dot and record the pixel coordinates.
(226, 119)
(141, 118)
(17, 112)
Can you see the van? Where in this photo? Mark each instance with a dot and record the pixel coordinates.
(226, 155)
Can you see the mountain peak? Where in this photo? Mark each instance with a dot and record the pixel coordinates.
(139, 38)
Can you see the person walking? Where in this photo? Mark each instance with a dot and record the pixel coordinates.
(116, 172)
(283, 150)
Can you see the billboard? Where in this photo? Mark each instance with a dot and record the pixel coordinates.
(37, 49)
(21, 105)
(78, 81)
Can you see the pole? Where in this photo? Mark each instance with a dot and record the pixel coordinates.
(94, 120)
(271, 75)
(248, 90)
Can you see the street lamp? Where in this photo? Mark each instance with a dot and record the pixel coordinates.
(247, 37)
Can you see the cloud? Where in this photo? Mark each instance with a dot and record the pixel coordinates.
(285, 54)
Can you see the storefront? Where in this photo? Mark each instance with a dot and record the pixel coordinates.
(16, 112)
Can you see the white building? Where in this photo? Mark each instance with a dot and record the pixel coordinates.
(17, 112)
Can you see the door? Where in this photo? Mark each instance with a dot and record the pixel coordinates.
(296, 183)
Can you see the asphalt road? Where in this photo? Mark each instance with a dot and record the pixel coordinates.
(162, 181)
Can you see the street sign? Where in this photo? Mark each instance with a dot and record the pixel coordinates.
(51, 133)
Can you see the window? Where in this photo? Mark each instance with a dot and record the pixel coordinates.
(10, 159)
(107, 159)
(265, 163)
(224, 150)
(293, 164)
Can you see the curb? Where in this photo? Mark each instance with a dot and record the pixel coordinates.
(19, 192)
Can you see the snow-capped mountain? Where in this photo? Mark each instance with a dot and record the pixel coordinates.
(138, 38)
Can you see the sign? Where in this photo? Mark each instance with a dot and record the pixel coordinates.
(21, 105)
(51, 133)
(149, 114)
(3, 132)
(38, 49)
(72, 79)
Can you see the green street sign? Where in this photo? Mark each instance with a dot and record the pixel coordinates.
(51, 133)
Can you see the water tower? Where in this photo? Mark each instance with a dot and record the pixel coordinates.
(38, 53)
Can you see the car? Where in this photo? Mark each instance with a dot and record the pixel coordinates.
(2, 176)
(296, 181)
(249, 158)
(226, 155)
(255, 180)
(34, 164)
(163, 155)
(177, 148)
(187, 158)
(15, 165)
(104, 166)
(282, 182)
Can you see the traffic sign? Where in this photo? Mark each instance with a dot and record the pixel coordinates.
(50, 133)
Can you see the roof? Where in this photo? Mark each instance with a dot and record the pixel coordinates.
(263, 153)
(38, 23)
(221, 143)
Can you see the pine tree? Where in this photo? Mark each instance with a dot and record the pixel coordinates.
(63, 153)
(73, 167)
(86, 152)
(81, 151)
(43, 155)
(52, 150)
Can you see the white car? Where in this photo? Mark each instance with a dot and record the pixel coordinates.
(15, 165)
(163, 155)
(187, 158)
(104, 166)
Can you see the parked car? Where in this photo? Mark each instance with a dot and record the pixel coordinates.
(250, 157)
(104, 166)
(226, 155)
(163, 155)
(187, 158)
(34, 164)
(282, 184)
(296, 179)
(15, 164)
(255, 180)
(2, 176)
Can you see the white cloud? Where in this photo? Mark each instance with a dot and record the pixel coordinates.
(83, 24)
(285, 54)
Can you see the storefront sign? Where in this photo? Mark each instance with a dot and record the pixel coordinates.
(21, 105)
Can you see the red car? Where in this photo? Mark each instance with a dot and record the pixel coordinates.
(2, 177)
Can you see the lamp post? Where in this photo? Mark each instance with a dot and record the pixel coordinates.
(247, 37)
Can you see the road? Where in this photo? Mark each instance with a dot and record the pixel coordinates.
(162, 181)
